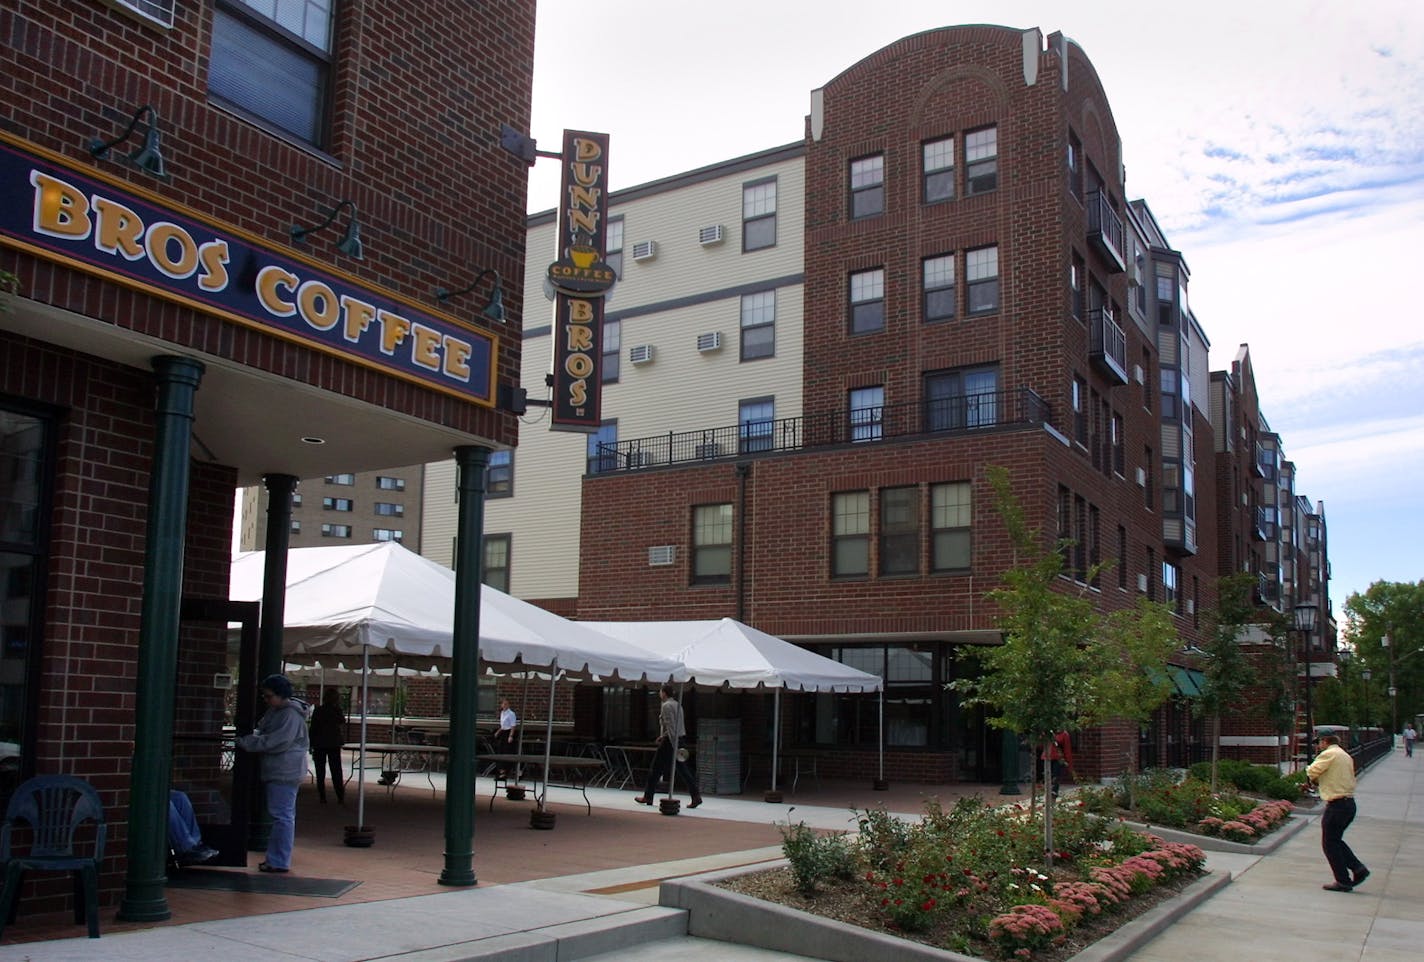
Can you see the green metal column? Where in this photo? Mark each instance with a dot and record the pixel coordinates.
(274, 572)
(144, 898)
(274, 616)
(464, 692)
(1010, 764)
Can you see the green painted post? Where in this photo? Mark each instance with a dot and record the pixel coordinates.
(274, 617)
(144, 898)
(1010, 764)
(464, 683)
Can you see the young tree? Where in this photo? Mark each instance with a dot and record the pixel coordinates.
(1227, 671)
(1062, 666)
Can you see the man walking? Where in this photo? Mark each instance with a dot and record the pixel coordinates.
(1409, 736)
(1334, 772)
(671, 733)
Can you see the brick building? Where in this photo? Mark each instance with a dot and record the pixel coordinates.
(816, 351)
(170, 337)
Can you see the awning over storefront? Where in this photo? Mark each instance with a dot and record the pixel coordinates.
(1188, 681)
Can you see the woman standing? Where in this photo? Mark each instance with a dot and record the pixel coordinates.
(281, 739)
(328, 734)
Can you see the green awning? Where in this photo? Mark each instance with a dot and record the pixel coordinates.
(1188, 681)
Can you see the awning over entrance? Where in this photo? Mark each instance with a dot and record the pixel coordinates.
(1188, 681)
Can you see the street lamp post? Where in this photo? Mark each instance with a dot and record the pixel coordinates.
(1393, 691)
(1305, 616)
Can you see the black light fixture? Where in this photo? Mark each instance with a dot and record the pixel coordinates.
(350, 243)
(149, 157)
(1305, 615)
(495, 309)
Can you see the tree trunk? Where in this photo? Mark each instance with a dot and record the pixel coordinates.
(1048, 808)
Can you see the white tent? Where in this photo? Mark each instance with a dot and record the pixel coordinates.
(732, 654)
(351, 601)
(384, 598)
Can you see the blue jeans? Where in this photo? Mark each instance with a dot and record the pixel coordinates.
(282, 806)
(183, 832)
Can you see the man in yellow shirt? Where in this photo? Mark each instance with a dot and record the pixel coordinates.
(1333, 771)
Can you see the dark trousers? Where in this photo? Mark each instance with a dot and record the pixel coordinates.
(1338, 816)
(332, 757)
(660, 768)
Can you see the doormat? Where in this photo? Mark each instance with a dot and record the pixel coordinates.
(215, 880)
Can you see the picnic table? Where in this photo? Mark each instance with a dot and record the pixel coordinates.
(564, 771)
(398, 758)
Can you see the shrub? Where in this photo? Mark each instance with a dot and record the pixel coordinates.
(884, 839)
(1177, 805)
(1097, 800)
(813, 856)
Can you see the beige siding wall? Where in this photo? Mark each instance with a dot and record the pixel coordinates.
(680, 390)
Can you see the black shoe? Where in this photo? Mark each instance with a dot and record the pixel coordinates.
(1337, 887)
(643, 800)
(1357, 877)
(264, 867)
(695, 802)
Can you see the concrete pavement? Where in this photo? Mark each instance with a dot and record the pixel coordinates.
(1275, 908)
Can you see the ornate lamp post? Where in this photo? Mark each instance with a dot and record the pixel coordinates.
(1305, 616)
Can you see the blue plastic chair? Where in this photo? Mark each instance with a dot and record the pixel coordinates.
(54, 806)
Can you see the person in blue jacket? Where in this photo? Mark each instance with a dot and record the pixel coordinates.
(281, 739)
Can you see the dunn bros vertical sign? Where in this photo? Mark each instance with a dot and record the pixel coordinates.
(580, 278)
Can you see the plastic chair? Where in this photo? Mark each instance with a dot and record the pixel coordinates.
(54, 806)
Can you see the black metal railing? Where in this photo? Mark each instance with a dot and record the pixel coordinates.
(1105, 228)
(963, 414)
(1108, 343)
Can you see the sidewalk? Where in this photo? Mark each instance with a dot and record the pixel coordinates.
(1276, 910)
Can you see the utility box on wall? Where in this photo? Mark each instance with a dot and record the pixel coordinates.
(719, 755)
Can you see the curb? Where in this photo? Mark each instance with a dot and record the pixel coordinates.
(1208, 843)
(715, 913)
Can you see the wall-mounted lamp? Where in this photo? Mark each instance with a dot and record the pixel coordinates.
(350, 243)
(149, 157)
(495, 309)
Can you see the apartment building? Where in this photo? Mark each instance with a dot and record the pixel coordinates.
(815, 352)
(343, 508)
(222, 228)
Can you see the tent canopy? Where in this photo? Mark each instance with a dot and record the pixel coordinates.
(730, 653)
(394, 601)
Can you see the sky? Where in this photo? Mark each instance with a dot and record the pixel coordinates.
(1280, 145)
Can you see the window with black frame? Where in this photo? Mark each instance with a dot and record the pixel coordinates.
(272, 60)
(25, 442)
(494, 571)
(914, 687)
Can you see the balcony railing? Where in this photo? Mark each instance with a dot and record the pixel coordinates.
(1105, 231)
(1108, 344)
(963, 414)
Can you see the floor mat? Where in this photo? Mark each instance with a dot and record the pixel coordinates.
(215, 880)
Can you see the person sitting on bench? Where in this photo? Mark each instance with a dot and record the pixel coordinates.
(183, 834)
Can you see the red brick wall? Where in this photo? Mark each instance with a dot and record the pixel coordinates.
(438, 197)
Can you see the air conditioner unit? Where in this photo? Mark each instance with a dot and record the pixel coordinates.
(640, 353)
(662, 554)
(1142, 477)
(1137, 374)
(1191, 607)
(639, 459)
(709, 449)
(645, 250)
(709, 342)
(708, 236)
(1142, 583)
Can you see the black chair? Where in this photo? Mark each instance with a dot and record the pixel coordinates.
(54, 806)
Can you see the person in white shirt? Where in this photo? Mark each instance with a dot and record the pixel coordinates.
(508, 722)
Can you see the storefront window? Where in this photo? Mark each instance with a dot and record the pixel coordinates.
(24, 483)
